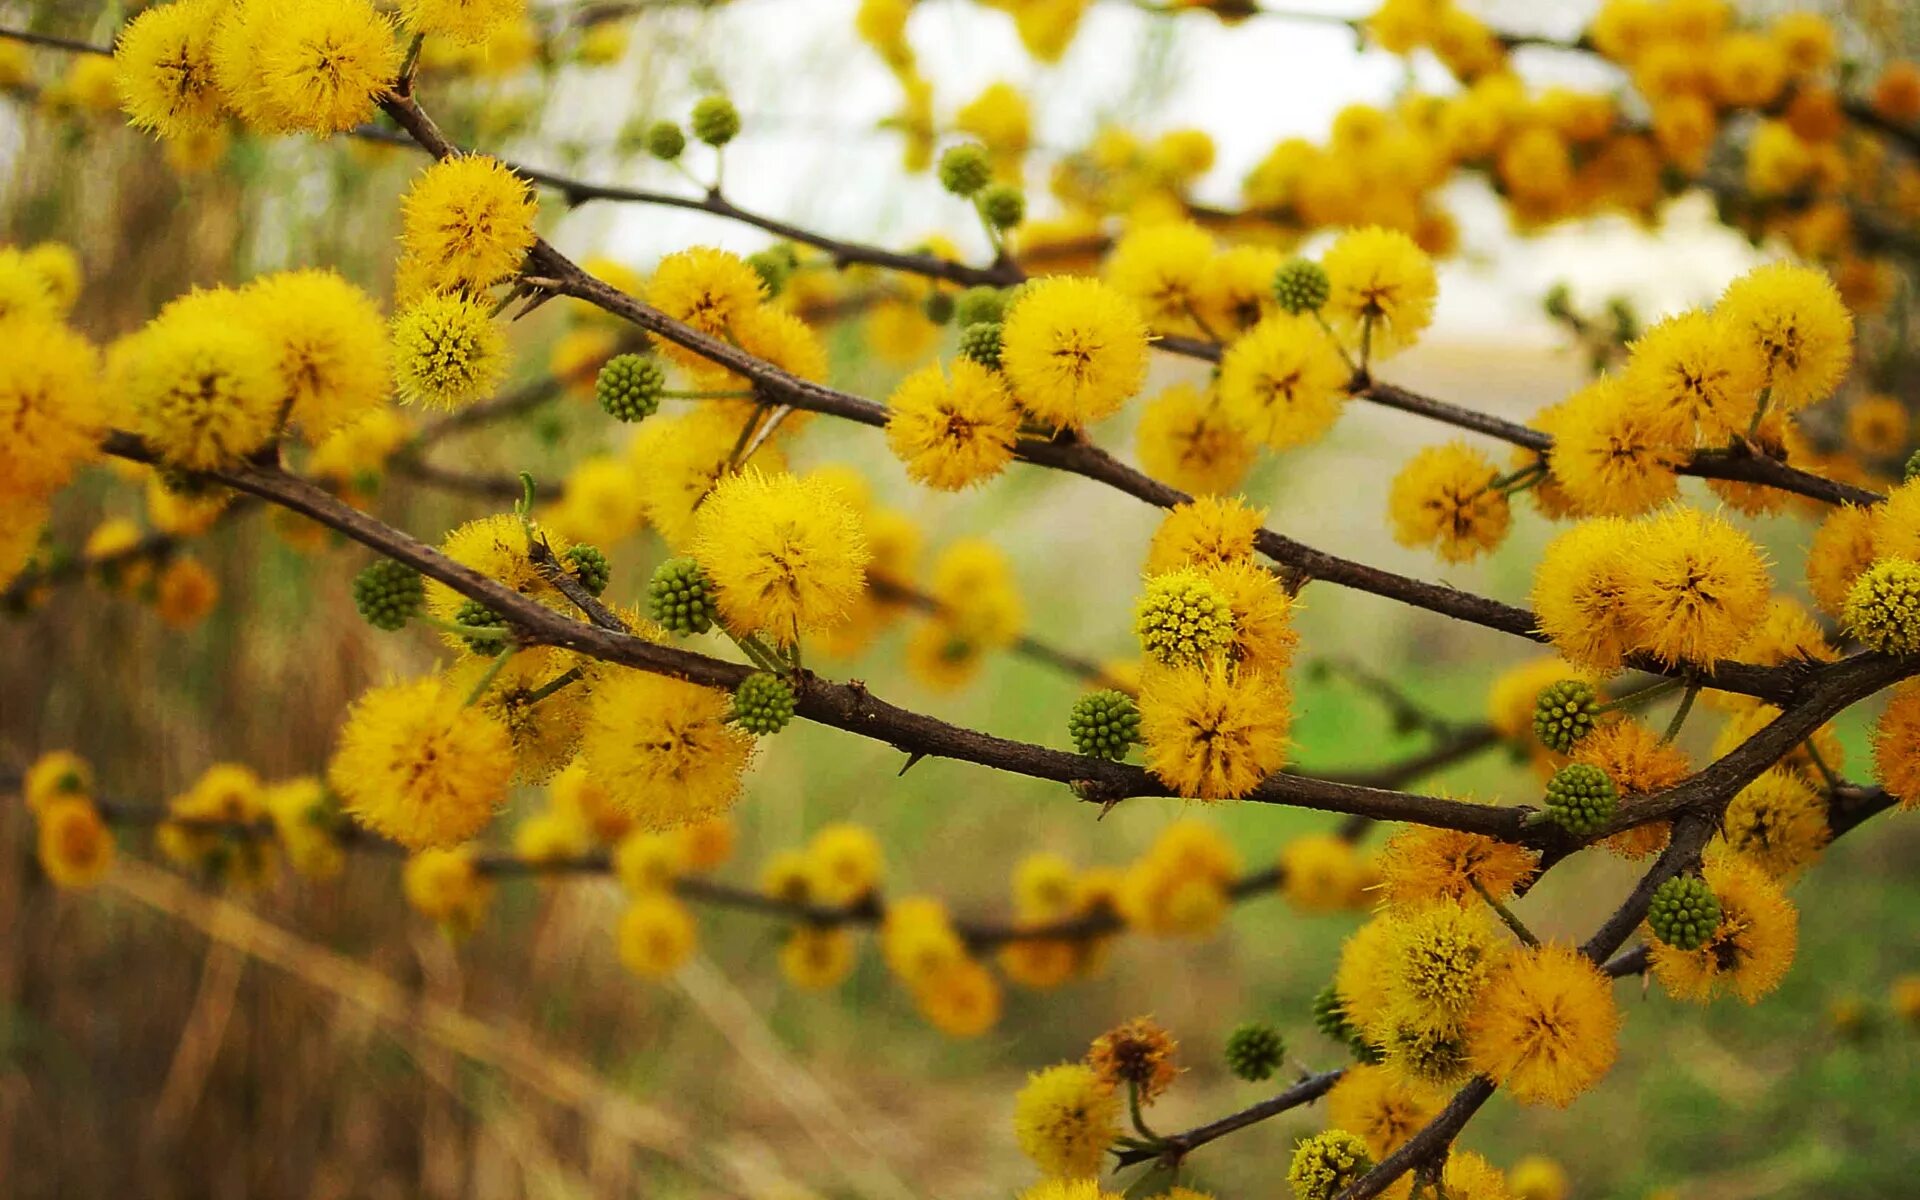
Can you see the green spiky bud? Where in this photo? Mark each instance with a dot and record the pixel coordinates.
(1104, 724)
(680, 597)
(1324, 1164)
(978, 304)
(715, 121)
(665, 140)
(1581, 799)
(629, 386)
(938, 306)
(980, 342)
(964, 169)
(1565, 712)
(762, 704)
(1003, 204)
(774, 265)
(1255, 1051)
(388, 594)
(472, 612)
(1330, 1014)
(1912, 468)
(1301, 286)
(1684, 912)
(590, 566)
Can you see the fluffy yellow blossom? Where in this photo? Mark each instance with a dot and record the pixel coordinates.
(1445, 498)
(184, 593)
(25, 289)
(1610, 457)
(75, 846)
(415, 764)
(1262, 609)
(663, 748)
(1187, 439)
(50, 405)
(468, 22)
(816, 958)
(447, 887)
(1182, 619)
(1536, 1177)
(1843, 547)
(495, 546)
(1794, 316)
(56, 775)
(1696, 586)
(163, 68)
(1751, 951)
(1138, 1053)
(1439, 959)
(1161, 268)
(1214, 731)
(322, 65)
(1179, 886)
(203, 389)
(1896, 745)
(1696, 377)
(1383, 289)
(844, 864)
(1545, 1027)
(656, 935)
(786, 554)
(1206, 532)
(961, 1000)
(1878, 426)
(305, 821)
(467, 222)
(1883, 606)
(1577, 590)
(1777, 822)
(1073, 349)
(1283, 381)
(330, 346)
(1420, 863)
(707, 289)
(952, 429)
(447, 352)
(1320, 873)
(544, 732)
(1065, 1118)
(1640, 763)
(1379, 1107)
(677, 460)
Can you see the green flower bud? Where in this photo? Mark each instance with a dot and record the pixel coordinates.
(1255, 1051)
(472, 612)
(1912, 468)
(1104, 724)
(938, 306)
(1684, 912)
(762, 704)
(589, 566)
(629, 386)
(665, 141)
(1003, 204)
(774, 265)
(680, 597)
(1565, 712)
(978, 304)
(1581, 799)
(964, 169)
(1301, 286)
(715, 121)
(980, 342)
(388, 594)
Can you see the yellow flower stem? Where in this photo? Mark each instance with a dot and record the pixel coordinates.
(1201, 322)
(756, 651)
(1366, 342)
(493, 672)
(1680, 714)
(1520, 480)
(1505, 914)
(569, 676)
(495, 632)
(1138, 1118)
(404, 82)
(746, 394)
(1834, 783)
(1760, 410)
(993, 234)
(1652, 691)
(1335, 339)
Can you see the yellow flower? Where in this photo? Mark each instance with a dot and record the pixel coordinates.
(50, 405)
(1440, 958)
(1696, 376)
(844, 864)
(1137, 1052)
(1577, 591)
(1467, 1176)
(26, 291)
(1545, 1027)
(1085, 1189)
(1444, 497)
(305, 821)
(917, 940)
(1786, 633)
(330, 344)
(447, 352)
(355, 454)
(1795, 318)
(496, 547)
(704, 288)
(1747, 70)
(656, 935)
(1844, 546)
(322, 65)
(1379, 1107)
(598, 504)
(415, 764)
(1181, 619)
(1186, 439)
(1161, 267)
(163, 68)
(1878, 426)
(1213, 732)
(1777, 822)
(1204, 533)
(1640, 763)
(1360, 979)
(1237, 290)
(468, 22)
(816, 958)
(75, 846)
(1283, 381)
(786, 554)
(1610, 457)
(1179, 886)
(1065, 1118)
(198, 385)
(999, 117)
(1696, 586)
(56, 775)
(1896, 745)
(1536, 1177)
(961, 1000)
(677, 460)
(545, 732)
(1420, 864)
(185, 593)
(952, 432)
(1750, 953)
(1883, 606)
(1262, 609)
(446, 886)
(1074, 350)
(1325, 1164)
(1383, 288)
(467, 222)
(663, 748)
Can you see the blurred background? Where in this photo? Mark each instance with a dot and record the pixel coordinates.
(155, 1042)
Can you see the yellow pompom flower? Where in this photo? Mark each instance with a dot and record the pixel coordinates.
(304, 821)
(1610, 457)
(1883, 607)
(1379, 1107)
(25, 289)
(58, 269)
(468, 22)
(1325, 1164)
(163, 69)
(953, 430)
(1419, 864)
(961, 1000)
(1695, 377)
(786, 553)
(1843, 547)
(1640, 763)
(50, 406)
(1187, 439)
(1084, 1189)
(1360, 978)
(1383, 288)
(1440, 958)
(1577, 592)
(495, 546)
(1794, 317)
(1750, 953)
(330, 343)
(1444, 497)
(545, 732)
(1536, 1177)
(1162, 268)
(1181, 619)
(414, 763)
(663, 748)
(1786, 633)
(1065, 1118)
(184, 593)
(1213, 732)
(1204, 533)
(816, 958)
(446, 887)
(844, 864)
(447, 352)
(467, 222)
(75, 846)
(1777, 822)
(1545, 1027)
(656, 935)
(707, 289)
(1896, 745)
(1878, 426)
(56, 775)
(917, 940)
(1468, 1176)
(1320, 873)
(1283, 381)
(678, 460)
(1262, 609)
(1696, 586)
(1074, 350)
(204, 390)
(322, 65)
